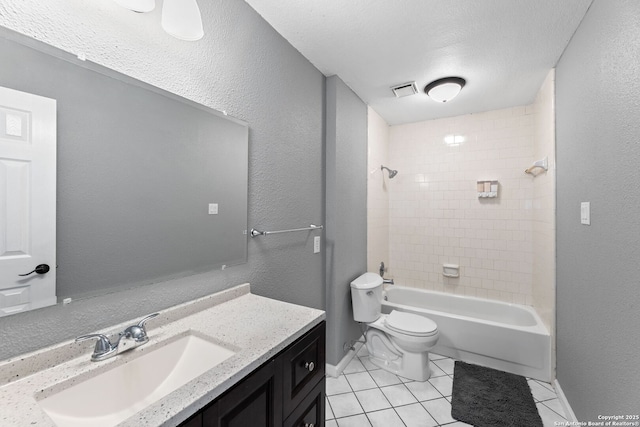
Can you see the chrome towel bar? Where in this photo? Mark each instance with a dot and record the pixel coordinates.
(255, 232)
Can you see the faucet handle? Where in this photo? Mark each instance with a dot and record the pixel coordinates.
(143, 321)
(103, 348)
(138, 332)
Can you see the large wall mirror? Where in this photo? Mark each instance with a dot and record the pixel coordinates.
(141, 174)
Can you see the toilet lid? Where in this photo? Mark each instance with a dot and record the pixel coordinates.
(411, 324)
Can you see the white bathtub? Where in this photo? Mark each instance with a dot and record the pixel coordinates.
(503, 336)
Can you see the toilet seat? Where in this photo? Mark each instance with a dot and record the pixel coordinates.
(410, 324)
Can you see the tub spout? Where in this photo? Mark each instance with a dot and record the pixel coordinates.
(388, 281)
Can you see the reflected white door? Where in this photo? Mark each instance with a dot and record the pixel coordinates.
(27, 200)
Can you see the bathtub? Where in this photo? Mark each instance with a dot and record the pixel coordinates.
(499, 335)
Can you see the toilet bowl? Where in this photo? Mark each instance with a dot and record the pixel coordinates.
(398, 342)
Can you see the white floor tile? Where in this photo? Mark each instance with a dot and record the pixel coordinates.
(415, 416)
(545, 385)
(423, 390)
(372, 400)
(443, 384)
(328, 413)
(363, 351)
(337, 385)
(367, 364)
(445, 364)
(555, 406)
(539, 392)
(356, 421)
(549, 418)
(434, 356)
(398, 395)
(385, 418)
(439, 409)
(331, 423)
(405, 380)
(344, 405)
(436, 371)
(361, 381)
(354, 366)
(384, 378)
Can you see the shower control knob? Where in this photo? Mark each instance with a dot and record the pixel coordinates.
(309, 425)
(309, 366)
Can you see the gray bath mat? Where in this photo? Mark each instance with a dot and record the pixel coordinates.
(485, 397)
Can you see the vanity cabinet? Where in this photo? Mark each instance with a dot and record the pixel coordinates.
(288, 390)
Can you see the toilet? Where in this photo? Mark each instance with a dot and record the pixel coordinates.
(397, 342)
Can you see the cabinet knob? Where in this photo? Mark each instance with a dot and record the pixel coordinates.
(309, 366)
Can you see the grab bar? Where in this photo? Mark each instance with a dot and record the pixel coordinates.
(255, 232)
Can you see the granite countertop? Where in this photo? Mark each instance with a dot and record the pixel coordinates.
(257, 328)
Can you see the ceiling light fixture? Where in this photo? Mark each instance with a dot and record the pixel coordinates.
(180, 18)
(139, 6)
(445, 89)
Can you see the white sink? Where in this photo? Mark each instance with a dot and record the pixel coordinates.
(113, 396)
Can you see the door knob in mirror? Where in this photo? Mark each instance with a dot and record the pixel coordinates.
(40, 269)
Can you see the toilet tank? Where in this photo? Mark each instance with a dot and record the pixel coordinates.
(366, 297)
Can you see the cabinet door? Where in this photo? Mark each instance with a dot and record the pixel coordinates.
(255, 402)
(310, 413)
(195, 421)
(304, 366)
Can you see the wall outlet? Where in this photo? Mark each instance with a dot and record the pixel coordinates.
(585, 213)
(316, 245)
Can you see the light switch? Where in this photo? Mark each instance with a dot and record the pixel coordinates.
(585, 213)
(213, 209)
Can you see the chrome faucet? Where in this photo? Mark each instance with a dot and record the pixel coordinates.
(385, 281)
(132, 337)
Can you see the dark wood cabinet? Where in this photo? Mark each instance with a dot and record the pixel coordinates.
(304, 366)
(256, 401)
(311, 411)
(288, 390)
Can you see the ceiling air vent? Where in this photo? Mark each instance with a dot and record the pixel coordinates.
(405, 89)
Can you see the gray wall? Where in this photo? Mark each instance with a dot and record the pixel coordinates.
(346, 210)
(264, 81)
(598, 266)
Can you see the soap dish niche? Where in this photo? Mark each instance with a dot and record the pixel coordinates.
(487, 189)
(451, 270)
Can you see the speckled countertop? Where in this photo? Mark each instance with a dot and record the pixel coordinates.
(257, 327)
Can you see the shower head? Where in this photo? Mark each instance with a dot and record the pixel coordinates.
(392, 173)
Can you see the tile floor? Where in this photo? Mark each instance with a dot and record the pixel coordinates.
(367, 396)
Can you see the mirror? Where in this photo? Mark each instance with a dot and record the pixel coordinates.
(137, 170)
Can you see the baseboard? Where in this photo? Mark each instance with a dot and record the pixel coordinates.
(335, 371)
(568, 412)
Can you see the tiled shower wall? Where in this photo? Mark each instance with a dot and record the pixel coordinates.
(504, 246)
(436, 217)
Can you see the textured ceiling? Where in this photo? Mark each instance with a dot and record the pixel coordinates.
(503, 48)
